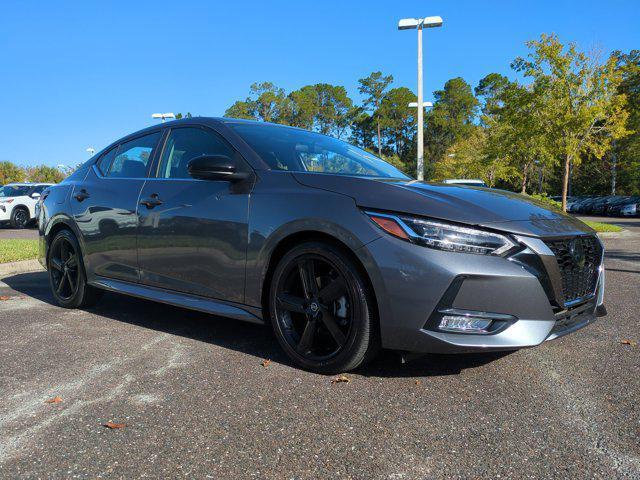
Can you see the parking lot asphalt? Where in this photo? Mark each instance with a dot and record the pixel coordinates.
(196, 400)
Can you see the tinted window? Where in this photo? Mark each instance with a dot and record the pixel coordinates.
(284, 148)
(39, 189)
(105, 161)
(184, 144)
(14, 190)
(133, 157)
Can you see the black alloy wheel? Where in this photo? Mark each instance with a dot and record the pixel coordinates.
(63, 261)
(19, 218)
(321, 309)
(66, 273)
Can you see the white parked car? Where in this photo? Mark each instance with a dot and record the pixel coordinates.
(18, 202)
(472, 182)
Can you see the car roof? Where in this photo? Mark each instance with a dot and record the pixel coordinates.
(205, 120)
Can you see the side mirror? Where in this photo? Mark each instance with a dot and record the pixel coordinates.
(215, 167)
(35, 195)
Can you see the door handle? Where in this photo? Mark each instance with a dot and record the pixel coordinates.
(152, 201)
(81, 195)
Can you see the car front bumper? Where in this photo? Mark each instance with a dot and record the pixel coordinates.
(416, 286)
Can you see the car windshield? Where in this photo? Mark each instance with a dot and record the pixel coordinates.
(14, 190)
(294, 150)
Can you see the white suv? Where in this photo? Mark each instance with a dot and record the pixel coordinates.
(18, 202)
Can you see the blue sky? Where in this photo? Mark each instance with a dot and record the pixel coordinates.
(75, 74)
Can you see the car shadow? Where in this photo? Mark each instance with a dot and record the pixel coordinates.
(255, 340)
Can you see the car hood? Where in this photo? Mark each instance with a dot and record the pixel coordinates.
(485, 207)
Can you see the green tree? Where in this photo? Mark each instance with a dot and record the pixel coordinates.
(322, 107)
(363, 129)
(267, 103)
(303, 107)
(398, 120)
(491, 91)
(625, 156)
(44, 174)
(374, 87)
(10, 172)
(519, 135)
(241, 109)
(335, 109)
(451, 118)
(583, 111)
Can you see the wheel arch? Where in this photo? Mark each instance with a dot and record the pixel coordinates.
(23, 207)
(56, 224)
(286, 243)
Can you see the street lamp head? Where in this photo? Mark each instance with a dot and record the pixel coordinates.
(162, 116)
(427, 22)
(432, 22)
(408, 23)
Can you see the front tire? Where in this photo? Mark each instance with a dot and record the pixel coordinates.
(67, 276)
(322, 309)
(19, 218)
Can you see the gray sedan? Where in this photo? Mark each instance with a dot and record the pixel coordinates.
(339, 251)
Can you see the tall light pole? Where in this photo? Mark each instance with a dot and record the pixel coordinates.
(163, 115)
(420, 23)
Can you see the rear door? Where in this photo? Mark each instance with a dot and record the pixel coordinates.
(104, 207)
(193, 233)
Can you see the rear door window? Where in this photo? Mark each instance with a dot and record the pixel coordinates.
(133, 157)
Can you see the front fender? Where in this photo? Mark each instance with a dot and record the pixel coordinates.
(49, 227)
(279, 213)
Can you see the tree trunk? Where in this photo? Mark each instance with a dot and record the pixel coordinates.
(570, 181)
(379, 147)
(614, 162)
(565, 182)
(524, 180)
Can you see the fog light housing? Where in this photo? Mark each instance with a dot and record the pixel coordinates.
(461, 324)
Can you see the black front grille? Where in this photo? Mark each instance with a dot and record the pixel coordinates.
(578, 259)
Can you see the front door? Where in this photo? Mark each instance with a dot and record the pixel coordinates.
(104, 207)
(192, 234)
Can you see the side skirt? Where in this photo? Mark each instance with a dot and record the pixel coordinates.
(178, 299)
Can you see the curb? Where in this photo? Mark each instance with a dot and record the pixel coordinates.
(23, 266)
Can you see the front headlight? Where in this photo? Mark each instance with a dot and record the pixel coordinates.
(442, 236)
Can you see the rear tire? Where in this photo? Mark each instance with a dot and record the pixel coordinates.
(19, 218)
(322, 310)
(67, 276)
